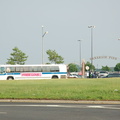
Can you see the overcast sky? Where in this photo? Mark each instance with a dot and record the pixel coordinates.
(67, 22)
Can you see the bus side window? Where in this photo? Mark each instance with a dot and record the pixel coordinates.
(8, 70)
(12, 69)
(37, 69)
(19, 69)
(45, 68)
(54, 69)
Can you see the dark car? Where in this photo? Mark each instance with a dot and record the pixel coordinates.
(112, 75)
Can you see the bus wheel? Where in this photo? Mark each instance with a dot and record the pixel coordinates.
(55, 77)
(10, 78)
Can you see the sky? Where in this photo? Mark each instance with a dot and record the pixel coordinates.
(67, 22)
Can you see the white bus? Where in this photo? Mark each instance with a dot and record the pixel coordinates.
(19, 72)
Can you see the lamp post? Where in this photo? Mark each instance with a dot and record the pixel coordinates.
(80, 50)
(91, 27)
(43, 34)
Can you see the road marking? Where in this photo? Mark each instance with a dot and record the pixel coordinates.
(95, 106)
(52, 105)
(117, 107)
(3, 112)
(105, 107)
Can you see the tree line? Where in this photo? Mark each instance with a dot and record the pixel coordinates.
(19, 57)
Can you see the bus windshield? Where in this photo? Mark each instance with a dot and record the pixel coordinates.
(2, 70)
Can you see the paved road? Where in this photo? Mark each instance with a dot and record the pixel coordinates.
(58, 111)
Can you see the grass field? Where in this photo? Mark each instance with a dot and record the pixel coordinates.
(63, 89)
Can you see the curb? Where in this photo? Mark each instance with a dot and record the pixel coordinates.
(60, 101)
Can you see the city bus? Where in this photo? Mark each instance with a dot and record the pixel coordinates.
(46, 71)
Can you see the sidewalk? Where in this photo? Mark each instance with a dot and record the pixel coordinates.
(60, 101)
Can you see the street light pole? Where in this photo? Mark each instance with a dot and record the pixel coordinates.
(91, 27)
(80, 50)
(43, 34)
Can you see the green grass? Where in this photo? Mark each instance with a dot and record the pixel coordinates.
(63, 89)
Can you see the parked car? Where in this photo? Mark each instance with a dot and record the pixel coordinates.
(72, 76)
(112, 75)
(102, 74)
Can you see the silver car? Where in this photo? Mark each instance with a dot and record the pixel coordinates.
(102, 74)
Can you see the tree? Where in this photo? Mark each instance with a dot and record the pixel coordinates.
(117, 67)
(91, 67)
(73, 67)
(105, 68)
(54, 57)
(17, 57)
